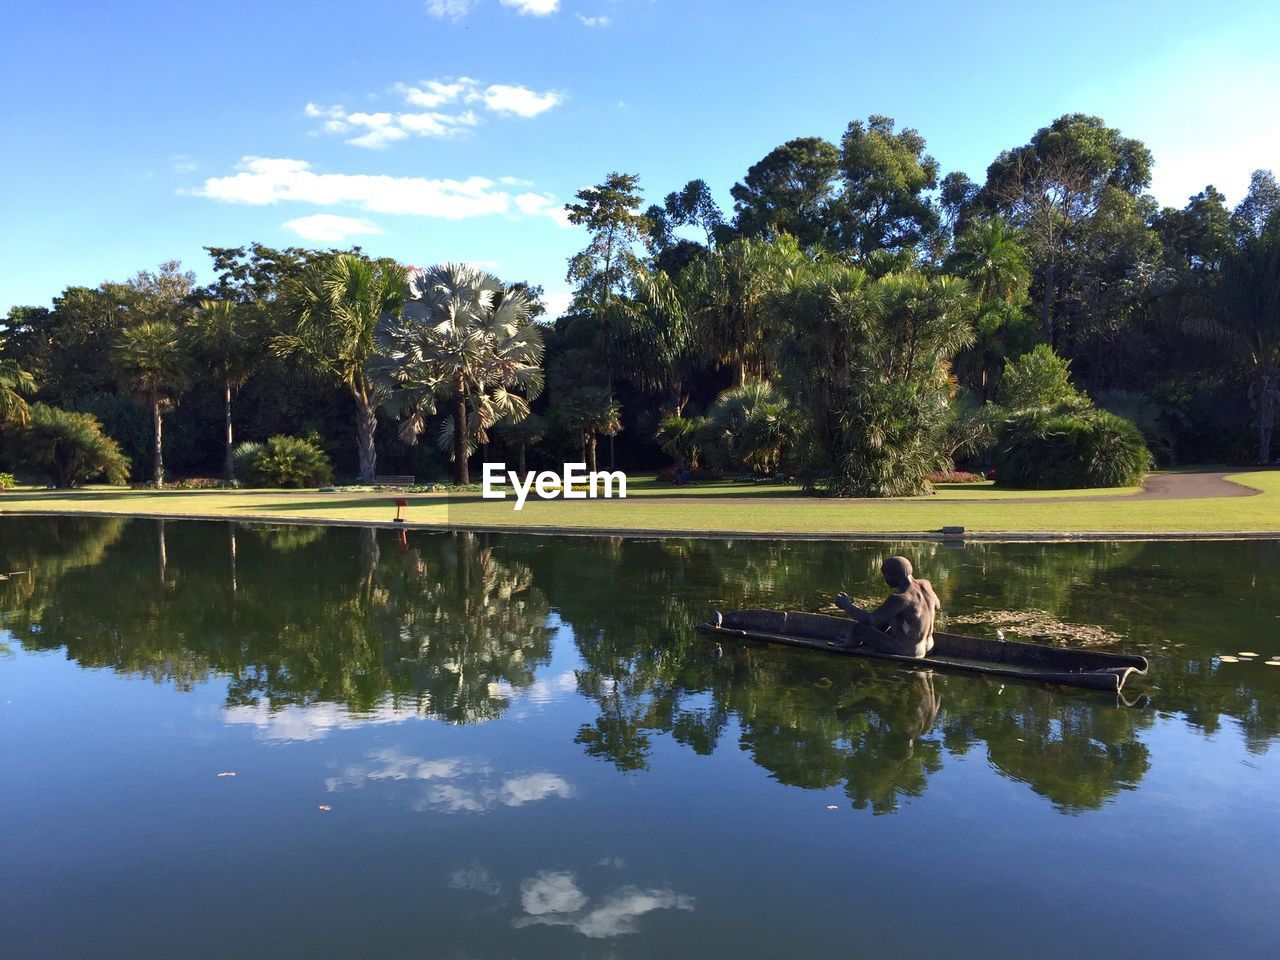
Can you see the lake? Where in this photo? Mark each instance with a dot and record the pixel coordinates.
(246, 740)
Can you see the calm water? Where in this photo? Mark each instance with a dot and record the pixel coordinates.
(465, 746)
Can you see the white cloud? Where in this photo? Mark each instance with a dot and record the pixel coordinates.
(183, 163)
(542, 205)
(311, 722)
(441, 109)
(330, 228)
(452, 10)
(533, 8)
(267, 180)
(517, 791)
(601, 21)
(504, 98)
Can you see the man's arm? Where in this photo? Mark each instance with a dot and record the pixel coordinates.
(879, 617)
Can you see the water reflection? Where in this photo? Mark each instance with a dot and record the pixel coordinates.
(316, 629)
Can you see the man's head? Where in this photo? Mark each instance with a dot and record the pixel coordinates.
(897, 572)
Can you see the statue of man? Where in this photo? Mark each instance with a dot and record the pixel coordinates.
(903, 624)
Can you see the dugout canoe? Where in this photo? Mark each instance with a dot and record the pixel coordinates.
(999, 658)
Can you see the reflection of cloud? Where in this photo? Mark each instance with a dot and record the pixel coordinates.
(311, 722)
(554, 899)
(537, 786)
(540, 691)
(551, 893)
(477, 878)
(454, 784)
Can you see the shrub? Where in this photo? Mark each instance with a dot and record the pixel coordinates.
(68, 448)
(1053, 451)
(1039, 379)
(283, 462)
(956, 476)
(7, 482)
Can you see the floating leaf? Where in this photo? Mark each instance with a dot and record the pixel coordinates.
(1246, 653)
(832, 806)
(325, 807)
(1227, 658)
(227, 773)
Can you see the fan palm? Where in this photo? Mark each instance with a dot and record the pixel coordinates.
(336, 306)
(152, 364)
(224, 338)
(465, 339)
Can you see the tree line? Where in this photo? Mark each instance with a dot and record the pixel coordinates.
(859, 320)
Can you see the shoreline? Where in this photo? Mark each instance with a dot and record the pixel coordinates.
(978, 536)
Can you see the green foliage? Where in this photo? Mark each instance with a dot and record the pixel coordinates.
(466, 339)
(14, 384)
(283, 462)
(884, 205)
(1039, 379)
(1048, 450)
(789, 191)
(867, 361)
(681, 438)
(68, 448)
(753, 426)
(7, 481)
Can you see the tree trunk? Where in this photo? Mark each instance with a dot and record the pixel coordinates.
(1266, 416)
(461, 472)
(1046, 303)
(229, 469)
(522, 446)
(366, 424)
(591, 453)
(157, 424)
(164, 552)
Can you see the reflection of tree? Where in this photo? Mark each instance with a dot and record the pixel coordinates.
(818, 722)
(441, 626)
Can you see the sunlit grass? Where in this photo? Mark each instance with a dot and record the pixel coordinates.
(712, 508)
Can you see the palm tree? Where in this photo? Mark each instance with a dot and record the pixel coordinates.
(991, 258)
(152, 364)
(224, 339)
(524, 434)
(336, 306)
(14, 382)
(755, 424)
(680, 437)
(1243, 313)
(590, 413)
(465, 339)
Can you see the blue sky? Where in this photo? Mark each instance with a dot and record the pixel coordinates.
(437, 130)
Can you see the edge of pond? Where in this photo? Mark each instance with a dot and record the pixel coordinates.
(1000, 536)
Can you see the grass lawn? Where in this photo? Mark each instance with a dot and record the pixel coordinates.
(710, 508)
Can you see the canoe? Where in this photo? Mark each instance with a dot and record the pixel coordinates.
(1000, 658)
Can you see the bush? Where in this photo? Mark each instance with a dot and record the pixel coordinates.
(1055, 451)
(1039, 379)
(956, 476)
(283, 462)
(7, 482)
(68, 448)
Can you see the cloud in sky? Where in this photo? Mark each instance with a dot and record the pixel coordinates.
(600, 21)
(261, 181)
(330, 227)
(379, 129)
(452, 10)
(533, 8)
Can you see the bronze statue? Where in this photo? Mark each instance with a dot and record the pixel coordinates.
(903, 624)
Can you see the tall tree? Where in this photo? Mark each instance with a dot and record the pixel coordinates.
(602, 271)
(225, 340)
(790, 190)
(884, 204)
(1055, 185)
(463, 338)
(336, 305)
(1259, 206)
(1242, 313)
(152, 364)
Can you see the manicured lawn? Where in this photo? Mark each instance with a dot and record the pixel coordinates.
(711, 508)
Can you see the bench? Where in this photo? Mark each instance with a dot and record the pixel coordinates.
(394, 480)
